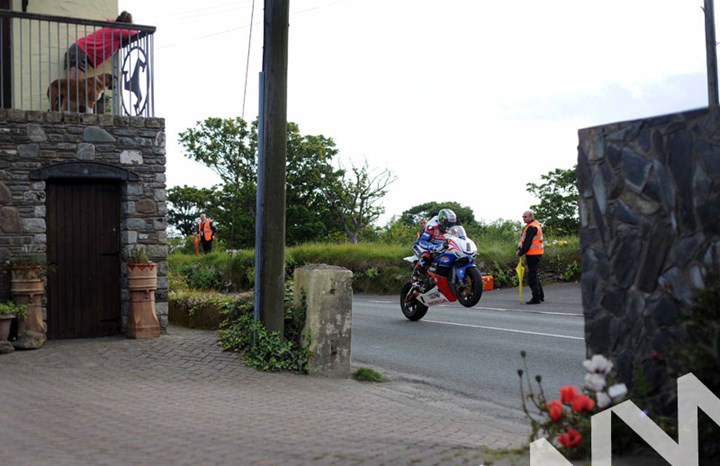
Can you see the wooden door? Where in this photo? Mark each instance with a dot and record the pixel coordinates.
(83, 289)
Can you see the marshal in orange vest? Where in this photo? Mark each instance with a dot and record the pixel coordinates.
(205, 229)
(537, 247)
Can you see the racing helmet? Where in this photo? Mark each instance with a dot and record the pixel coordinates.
(446, 218)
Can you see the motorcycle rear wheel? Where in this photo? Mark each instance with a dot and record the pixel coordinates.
(469, 291)
(411, 308)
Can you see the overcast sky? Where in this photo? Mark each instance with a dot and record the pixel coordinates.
(463, 100)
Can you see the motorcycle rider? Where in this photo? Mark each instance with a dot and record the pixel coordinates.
(431, 242)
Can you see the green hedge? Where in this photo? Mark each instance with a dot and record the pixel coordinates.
(377, 268)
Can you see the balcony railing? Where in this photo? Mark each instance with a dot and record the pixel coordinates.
(32, 57)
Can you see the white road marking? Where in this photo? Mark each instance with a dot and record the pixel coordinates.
(500, 309)
(496, 309)
(505, 330)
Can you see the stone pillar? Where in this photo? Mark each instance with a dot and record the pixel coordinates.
(328, 295)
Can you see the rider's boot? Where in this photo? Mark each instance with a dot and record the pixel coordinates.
(417, 277)
(419, 273)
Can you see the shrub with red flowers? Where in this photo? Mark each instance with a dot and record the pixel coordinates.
(565, 421)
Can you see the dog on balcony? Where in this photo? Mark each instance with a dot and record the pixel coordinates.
(78, 94)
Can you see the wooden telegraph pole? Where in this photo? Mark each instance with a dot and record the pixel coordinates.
(270, 253)
(711, 54)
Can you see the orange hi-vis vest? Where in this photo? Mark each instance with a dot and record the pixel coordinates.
(205, 229)
(537, 247)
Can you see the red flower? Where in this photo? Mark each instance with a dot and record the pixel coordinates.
(571, 439)
(582, 403)
(555, 409)
(568, 393)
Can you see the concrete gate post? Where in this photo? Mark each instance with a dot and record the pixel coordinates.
(328, 294)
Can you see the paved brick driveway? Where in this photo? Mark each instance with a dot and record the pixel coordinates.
(179, 400)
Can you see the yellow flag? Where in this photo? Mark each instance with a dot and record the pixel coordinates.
(520, 269)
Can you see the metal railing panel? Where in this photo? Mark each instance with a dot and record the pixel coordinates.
(33, 75)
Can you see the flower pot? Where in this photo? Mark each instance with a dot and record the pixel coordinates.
(27, 279)
(28, 288)
(142, 277)
(142, 283)
(26, 272)
(5, 321)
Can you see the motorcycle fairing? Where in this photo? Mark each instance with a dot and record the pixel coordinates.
(460, 271)
(432, 297)
(443, 286)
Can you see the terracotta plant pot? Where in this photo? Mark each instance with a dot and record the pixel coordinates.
(28, 288)
(142, 276)
(27, 272)
(142, 283)
(5, 321)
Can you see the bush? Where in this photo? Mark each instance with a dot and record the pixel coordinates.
(561, 261)
(270, 352)
(239, 271)
(504, 275)
(377, 267)
(10, 308)
(700, 354)
(203, 309)
(176, 281)
(201, 277)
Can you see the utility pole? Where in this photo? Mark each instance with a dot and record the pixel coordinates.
(270, 255)
(711, 54)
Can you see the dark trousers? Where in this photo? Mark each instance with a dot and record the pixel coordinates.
(533, 263)
(206, 245)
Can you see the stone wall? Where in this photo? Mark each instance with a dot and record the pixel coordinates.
(33, 143)
(650, 232)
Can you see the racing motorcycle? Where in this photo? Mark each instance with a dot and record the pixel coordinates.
(452, 276)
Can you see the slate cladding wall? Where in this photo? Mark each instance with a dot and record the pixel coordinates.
(650, 232)
(32, 141)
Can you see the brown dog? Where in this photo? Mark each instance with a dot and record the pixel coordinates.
(74, 94)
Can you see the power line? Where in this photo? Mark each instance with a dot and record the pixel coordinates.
(316, 7)
(238, 28)
(247, 63)
(232, 6)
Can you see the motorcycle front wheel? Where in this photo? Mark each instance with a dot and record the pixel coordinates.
(469, 291)
(411, 307)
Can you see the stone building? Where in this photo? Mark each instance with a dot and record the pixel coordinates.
(79, 190)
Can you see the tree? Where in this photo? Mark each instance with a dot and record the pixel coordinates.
(228, 147)
(231, 219)
(412, 216)
(186, 205)
(398, 232)
(355, 196)
(310, 216)
(558, 207)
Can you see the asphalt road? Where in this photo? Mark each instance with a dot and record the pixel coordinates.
(475, 353)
